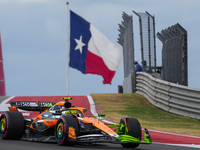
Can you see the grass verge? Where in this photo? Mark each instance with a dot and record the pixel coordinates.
(134, 105)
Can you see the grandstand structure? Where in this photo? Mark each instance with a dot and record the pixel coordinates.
(2, 77)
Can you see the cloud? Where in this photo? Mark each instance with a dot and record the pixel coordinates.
(24, 1)
(53, 27)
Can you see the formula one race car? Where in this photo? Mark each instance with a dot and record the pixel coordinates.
(67, 125)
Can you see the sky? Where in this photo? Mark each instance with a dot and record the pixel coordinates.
(34, 35)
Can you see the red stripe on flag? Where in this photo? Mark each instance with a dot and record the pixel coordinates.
(96, 65)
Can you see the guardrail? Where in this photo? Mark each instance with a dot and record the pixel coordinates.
(171, 97)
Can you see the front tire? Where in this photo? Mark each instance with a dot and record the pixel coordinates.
(12, 125)
(134, 130)
(66, 130)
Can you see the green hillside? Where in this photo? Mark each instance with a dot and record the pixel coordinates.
(134, 105)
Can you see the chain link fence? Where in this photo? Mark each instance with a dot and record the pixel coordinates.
(148, 47)
(147, 40)
(174, 54)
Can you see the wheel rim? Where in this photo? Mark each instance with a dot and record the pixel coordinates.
(2, 125)
(60, 130)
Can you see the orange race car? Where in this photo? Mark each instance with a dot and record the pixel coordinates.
(67, 125)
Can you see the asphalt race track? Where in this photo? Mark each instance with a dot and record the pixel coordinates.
(25, 145)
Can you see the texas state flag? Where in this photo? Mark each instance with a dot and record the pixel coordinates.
(90, 51)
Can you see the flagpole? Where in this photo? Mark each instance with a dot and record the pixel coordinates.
(68, 46)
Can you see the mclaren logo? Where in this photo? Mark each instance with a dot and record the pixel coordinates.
(72, 133)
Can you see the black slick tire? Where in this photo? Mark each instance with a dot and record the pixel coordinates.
(134, 129)
(12, 125)
(62, 128)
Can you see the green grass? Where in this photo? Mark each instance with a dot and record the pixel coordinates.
(134, 105)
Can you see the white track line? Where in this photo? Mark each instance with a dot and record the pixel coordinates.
(93, 108)
(4, 106)
(175, 134)
(181, 145)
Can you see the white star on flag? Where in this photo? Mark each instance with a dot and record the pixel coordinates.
(80, 44)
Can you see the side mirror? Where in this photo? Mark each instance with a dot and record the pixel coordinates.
(101, 115)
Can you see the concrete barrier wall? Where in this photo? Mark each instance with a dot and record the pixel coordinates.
(127, 85)
(168, 96)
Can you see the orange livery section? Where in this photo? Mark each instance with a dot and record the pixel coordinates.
(50, 122)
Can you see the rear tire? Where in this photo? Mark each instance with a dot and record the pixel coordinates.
(63, 125)
(12, 125)
(134, 129)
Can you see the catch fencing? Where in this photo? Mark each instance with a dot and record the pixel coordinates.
(147, 40)
(174, 54)
(168, 96)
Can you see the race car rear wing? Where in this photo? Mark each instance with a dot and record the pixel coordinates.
(32, 106)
